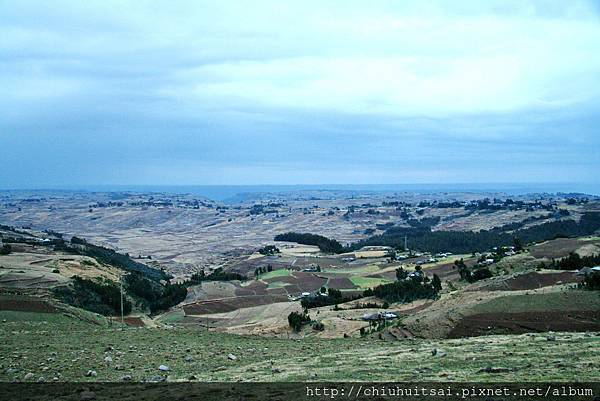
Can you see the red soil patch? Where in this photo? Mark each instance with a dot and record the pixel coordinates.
(341, 283)
(526, 322)
(308, 281)
(529, 281)
(134, 321)
(446, 271)
(27, 305)
(231, 304)
(254, 288)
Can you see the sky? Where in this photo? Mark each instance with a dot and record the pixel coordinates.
(298, 92)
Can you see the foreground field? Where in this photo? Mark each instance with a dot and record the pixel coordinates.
(53, 347)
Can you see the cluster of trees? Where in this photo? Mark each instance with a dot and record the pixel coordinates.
(80, 246)
(471, 275)
(333, 297)
(573, 262)
(421, 237)
(269, 250)
(296, 320)
(262, 270)
(154, 295)
(407, 290)
(408, 287)
(217, 275)
(98, 297)
(370, 305)
(591, 282)
(6, 249)
(325, 244)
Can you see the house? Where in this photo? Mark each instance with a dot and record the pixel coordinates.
(379, 316)
(588, 270)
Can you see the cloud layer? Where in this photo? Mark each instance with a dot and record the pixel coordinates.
(298, 92)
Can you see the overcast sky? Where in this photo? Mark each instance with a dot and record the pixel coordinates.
(284, 92)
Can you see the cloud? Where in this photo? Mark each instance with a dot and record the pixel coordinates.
(230, 92)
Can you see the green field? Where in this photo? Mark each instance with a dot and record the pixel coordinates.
(275, 273)
(58, 346)
(368, 282)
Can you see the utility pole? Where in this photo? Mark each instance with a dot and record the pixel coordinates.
(121, 282)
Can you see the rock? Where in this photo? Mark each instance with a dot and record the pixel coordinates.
(231, 357)
(438, 352)
(275, 370)
(164, 368)
(41, 379)
(91, 373)
(126, 378)
(551, 337)
(87, 395)
(192, 377)
(29, 376)
(118, 367)
(155, 379)
(189, 358)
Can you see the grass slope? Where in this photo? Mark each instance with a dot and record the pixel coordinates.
(66, 348)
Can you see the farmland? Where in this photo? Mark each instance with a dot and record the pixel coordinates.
(238, 286)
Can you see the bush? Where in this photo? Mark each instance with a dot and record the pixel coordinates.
(99, 297)
(296, 320)
(5, 250)
(591, 282)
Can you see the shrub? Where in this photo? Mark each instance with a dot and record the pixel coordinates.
(296, 320)
(5, 250)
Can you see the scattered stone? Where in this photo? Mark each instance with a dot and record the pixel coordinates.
(156, 379)
(189, 358)
(275, 370)
(490, 369)
(41, 379)
(108, 359)
(91, 373)
(231, 357)
(164, 368)
(126, 378)
(29, 376)
(551, 337)
(192, 377)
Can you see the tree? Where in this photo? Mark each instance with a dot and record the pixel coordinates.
(401, 274)
(436, 283)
